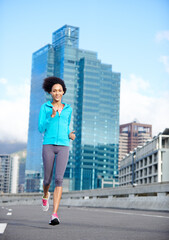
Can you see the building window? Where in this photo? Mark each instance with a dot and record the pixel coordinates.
(150, 159)
(155, 168)
(155, 157)
(155, 178)
(145, 172)
(150, 170)
(145, 162)
(141, 163)
(141, 173)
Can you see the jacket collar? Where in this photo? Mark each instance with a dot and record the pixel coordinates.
(49, 103)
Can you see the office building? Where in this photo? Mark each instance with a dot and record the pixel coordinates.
(147, 164)
(123, 146)
(96, 121)
(18, 163)
(5, 173)
(12, 172)
(93, 91)
(132, 135)
(8, 174)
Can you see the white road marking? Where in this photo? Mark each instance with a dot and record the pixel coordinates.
(145, 215)
(126, 213)
(9, 213)
(2, 227)
(10, 210)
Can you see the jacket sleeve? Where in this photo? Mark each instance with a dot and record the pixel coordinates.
(69, 122)
(43, 121)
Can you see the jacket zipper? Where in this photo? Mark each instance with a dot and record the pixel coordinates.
(58, 124)
(58, 128)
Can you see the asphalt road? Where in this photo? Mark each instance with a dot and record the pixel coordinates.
(30, 223)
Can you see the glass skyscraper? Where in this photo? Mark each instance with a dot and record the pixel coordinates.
(93, 91)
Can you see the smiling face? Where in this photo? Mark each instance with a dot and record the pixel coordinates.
(57, 92)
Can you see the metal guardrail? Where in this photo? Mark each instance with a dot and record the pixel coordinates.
(145, 197)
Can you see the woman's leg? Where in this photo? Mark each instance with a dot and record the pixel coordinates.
(48, 162)
(56, 198)
(45, 190)
(61, 163)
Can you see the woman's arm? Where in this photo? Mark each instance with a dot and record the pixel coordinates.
(43, 121)
(70, 134)
(69, 122)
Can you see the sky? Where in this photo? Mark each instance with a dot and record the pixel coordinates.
(132, 35)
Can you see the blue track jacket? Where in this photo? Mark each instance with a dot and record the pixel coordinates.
(56, 130)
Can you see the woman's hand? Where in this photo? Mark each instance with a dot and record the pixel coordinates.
(72, 136)
(54, 109)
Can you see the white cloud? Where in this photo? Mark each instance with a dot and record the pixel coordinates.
(135, 104)
(165, 61)
(162, 35)
(3, 81)
(137, 83)
(15, 114)
(17, 91)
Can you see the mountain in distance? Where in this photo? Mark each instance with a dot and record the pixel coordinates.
(8, 147)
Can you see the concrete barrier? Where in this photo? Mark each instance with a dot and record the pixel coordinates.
(143, 197)
(20, 198)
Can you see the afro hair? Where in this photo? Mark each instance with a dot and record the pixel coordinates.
(50, 81)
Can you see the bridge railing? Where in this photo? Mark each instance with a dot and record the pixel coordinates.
(144, 197)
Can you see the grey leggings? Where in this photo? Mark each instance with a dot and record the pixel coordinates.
(62, 155)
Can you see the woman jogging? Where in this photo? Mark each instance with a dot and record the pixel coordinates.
(54, 121)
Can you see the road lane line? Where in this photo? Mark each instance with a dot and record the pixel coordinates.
(144, 215)
(2, 227)
(9, 213)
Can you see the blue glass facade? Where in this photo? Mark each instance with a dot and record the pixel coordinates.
(42, 66)
(97, 123)
(93, 91)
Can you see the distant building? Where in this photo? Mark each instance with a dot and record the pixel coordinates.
(33, 181)
(123, 146)
(147, 164)
(5, 173)
(132, 135)
(12, 172)
(18, 163)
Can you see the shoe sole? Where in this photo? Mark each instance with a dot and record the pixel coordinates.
(54, 222)
(46, 209)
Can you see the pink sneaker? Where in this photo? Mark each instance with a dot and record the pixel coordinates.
(45, 203)
(54, 220)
